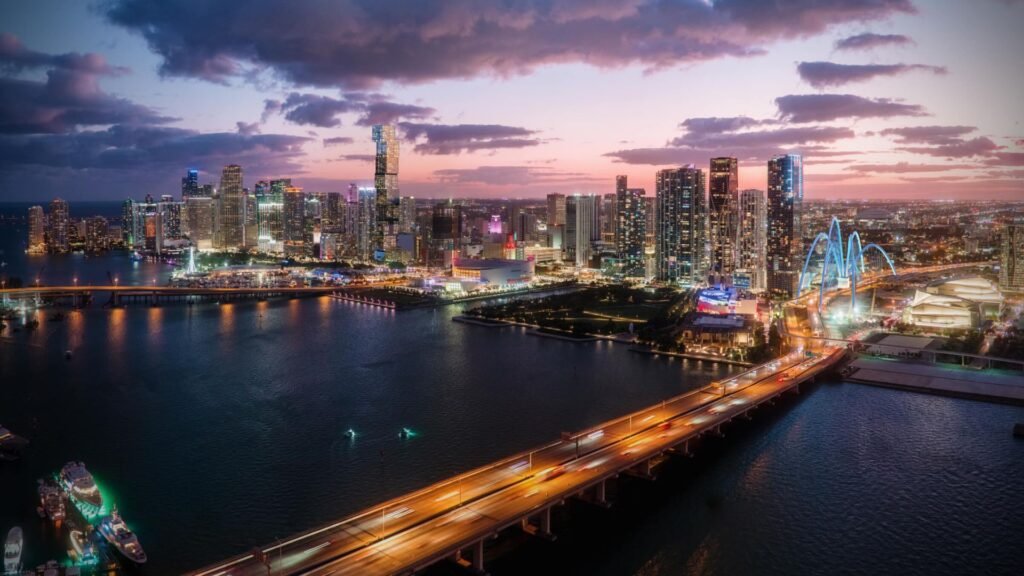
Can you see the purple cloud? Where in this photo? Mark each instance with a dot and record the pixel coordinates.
(804, 108)
(358, 157)
(510, 175)
(934, 135)
(337, 141)
(456, 138)
(440, 39)
(313, 109)
(959, 149)
(248, 128)
(869, 40)
(383, 112)
(830, 74)
(907, 168)
(14, 56)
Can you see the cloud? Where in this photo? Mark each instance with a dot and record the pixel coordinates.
(1006, 159)
(959, 149)
(324, 111)
(248, 128)
(907, 168)
(337, 141)
(67, 100)
(804, 108)
(705, 138)
(830, 74)
(510, 175)
(358, 157)
(934, 135)
(356, 44)
(869, 40)
(457, 138)
(14, 57)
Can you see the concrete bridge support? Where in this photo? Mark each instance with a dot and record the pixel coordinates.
(475, 563)
(543, 527)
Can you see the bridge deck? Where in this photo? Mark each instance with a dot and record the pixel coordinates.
(416, 530)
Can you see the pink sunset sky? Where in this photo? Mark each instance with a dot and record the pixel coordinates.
(885, 98)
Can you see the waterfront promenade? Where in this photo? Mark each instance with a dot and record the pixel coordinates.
(453, 518)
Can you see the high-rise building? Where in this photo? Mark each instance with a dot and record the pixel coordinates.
(385, 180)
(610, 215)
(366, 223)
(723, 188)
(231, 203)
(785, 207)
(199, 210)
(96, 234)
(630, 220)
(680, 234)
(270, 221)
(582, 229)
(650, 220)
(407, 214)
(1011, 261)
(294, 206)
(58, 239)
(189, 184)
(751, 245)
(36, 230)
(556, 209)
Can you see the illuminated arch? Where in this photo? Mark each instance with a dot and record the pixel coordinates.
(803, 274)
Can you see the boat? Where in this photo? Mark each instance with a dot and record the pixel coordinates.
(12, 551)
(51, 499)
(83, 549)
(10, 444)
(117, 533)
(81, 488)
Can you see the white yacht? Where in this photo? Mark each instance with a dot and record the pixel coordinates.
(81, 488)
(117, 533)
(12, 551)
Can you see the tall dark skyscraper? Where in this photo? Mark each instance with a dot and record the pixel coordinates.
(630, 220)
(59, 219)
(785, 207)
(680, 235)
(750, 246)
(190, 184)
(385, 180)
(1011, 263)
(556, 209)
(231, 232)
(723, 189)
(294, 205)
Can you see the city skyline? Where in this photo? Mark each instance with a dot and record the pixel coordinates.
(870, 93)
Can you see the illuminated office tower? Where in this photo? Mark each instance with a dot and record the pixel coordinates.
(753, 216)
(189, 184)
(785, 207)
(294, 206)
(407, 214)
(366, 223)
(680, 235)
(723, 189)
(630, 222)
(556, 209)
(270, 220)
(199, 211)
(231, 212)
(385, 181)
(36, 230)
(96, 234)
(610, 215)
(582, 228)
(58, 239)
(1011, 264)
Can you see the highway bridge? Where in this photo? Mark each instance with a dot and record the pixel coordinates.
(81, 295)
(453, 519)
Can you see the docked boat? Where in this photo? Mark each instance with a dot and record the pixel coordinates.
(117, 533)
(83, 549)
(51, 500)
(81, 488)
(12, 551)
(10, 444)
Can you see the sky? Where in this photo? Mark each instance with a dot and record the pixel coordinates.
(915, 99)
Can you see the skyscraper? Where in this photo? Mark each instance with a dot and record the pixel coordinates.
(582, 228)
(753, 216)
(385, 180)
(723, 187)
(59, 226)
(231, 205)
(366, 223)
(295, 223)
(556, 209)
(36, 230)
(785, 207)
(1011, 261)
(630, 221)
(189, 184)
(680, 236)
(270, 219)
